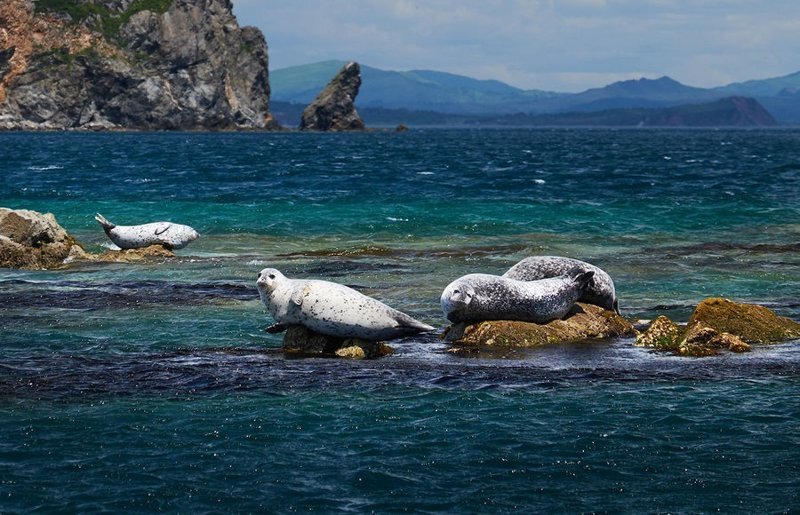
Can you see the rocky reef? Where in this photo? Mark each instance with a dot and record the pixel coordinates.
(584, 322)
(131, 64)
(718, 324)
(334, 108)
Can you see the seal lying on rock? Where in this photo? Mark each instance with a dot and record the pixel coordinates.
(479, 297)
(331, 309)
(600, 292)
(168, 234)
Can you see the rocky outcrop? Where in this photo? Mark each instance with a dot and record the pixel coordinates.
(33, 240)
(718, 324)
(118, 64)
(334, 108)
(300, 341)
(584, 322)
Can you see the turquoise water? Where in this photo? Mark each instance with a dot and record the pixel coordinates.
(153, 387)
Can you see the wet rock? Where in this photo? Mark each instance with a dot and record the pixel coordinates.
(133, 255)
(334, 108)
(583, 322)
(718, 324)
(33, 240)
(663, 334)
(299, 340)
(750, 322)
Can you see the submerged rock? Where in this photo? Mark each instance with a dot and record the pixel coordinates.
(718, 324)
(334, 108)
(301, 341)
(583, 322)
(33, 240)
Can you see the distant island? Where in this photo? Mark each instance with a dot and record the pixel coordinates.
(425, 97)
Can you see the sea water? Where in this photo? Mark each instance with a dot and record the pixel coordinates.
(153, 387)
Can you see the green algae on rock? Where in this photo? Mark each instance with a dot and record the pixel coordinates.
(750, 322)
(584, 322)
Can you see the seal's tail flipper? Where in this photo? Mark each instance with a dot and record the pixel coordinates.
(105, 223)
(411, 324)
(582, 279)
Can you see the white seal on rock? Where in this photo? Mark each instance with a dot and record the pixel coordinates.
(168, 234)
(600, 292)
(478, 297)
(331, 309)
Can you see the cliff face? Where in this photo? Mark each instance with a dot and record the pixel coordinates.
(130, 64)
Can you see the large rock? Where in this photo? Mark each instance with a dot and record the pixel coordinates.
(584, 322)
(300, 341)
(110, 64)
(334, 108)
(717, 324)
(29, 239)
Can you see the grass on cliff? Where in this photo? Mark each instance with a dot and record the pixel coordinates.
(110, 20)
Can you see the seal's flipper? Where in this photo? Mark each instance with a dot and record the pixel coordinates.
(410, 323)
(582, 279)
(275, 328)
(105, 223)
(616, 306)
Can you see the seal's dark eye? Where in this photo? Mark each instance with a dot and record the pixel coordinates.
(272, 276)
(456, 291)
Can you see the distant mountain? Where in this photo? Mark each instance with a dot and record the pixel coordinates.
(438, 92)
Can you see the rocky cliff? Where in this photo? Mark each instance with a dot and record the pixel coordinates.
(334, 108)
(130, 64)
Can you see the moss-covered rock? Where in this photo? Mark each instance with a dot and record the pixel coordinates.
(301, 341)
(584, 322)
(750, 322)
(663, 334)
(133, 255)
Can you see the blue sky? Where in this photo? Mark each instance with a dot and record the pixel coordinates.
(556, 45)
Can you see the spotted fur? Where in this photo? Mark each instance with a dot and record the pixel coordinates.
(168, 234)
(600, 292)
(479, 297)
(332, 309)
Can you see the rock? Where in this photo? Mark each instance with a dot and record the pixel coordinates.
(334, 108)
(157, 65)
(301, 341)
(133, 255)
(583, 322)
(33, 240)
(750, 322)
(663, 334)
(716, 324)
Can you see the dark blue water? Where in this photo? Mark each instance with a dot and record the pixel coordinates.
(152, 386)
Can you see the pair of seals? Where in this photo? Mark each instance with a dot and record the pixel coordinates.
(168, 234)
(537, 289)
(478, 297)
(331, 309)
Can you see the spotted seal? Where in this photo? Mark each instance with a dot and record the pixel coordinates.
(600, 292)
(168, 234)
(331, 309)
(478, 297)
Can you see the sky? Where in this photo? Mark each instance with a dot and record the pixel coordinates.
(553, 45)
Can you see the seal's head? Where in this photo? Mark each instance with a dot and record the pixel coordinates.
(268, 280)
(456, 299)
